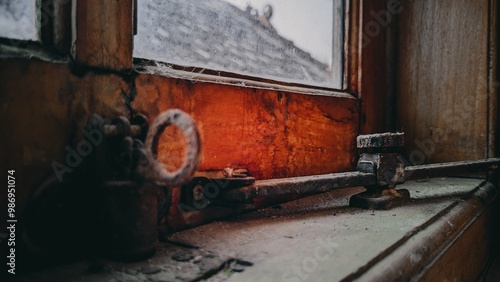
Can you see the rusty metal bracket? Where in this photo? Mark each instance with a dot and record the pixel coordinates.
(207, 187)
(388, 168)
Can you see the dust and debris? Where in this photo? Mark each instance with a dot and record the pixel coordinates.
(236, 267)
(150, 269)
(183, 256)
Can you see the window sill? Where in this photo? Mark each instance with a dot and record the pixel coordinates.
(446, 232)
(17, 49)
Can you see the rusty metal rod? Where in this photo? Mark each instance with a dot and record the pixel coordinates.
(301, 185)
(327, 182)
(450, 169)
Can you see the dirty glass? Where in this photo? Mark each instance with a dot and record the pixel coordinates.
(298, 41)
(18, 19)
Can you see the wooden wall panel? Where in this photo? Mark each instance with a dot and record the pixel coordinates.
(273, 134)
(494, 79)
(56, 24)
(104, 33)
(44, 108)
(372, 68)
(443, 79)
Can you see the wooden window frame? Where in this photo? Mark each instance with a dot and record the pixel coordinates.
(101, 37)
(366, 70)
(365, 76)
(338, 85)
(359, 61)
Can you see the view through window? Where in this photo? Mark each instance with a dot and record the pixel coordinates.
(294, 41)
(18, 19)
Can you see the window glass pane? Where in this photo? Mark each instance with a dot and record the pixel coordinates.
(286, 40)
(18, 19)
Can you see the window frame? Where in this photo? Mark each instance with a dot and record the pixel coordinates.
(356, 65)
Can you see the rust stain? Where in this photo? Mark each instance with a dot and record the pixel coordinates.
(273, 134)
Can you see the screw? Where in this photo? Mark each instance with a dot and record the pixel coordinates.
(198, 192)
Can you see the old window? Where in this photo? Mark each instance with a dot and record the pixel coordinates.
(292, 41)
(18, 19)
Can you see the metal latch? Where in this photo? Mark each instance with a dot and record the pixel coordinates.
(380, 158)
(380, 168)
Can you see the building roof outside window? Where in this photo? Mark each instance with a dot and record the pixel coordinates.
(215, 34)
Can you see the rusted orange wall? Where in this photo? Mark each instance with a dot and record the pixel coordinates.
(271, 133)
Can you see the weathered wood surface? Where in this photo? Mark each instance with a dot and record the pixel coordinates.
(470, 251)
(104, 33)
(351, 74)
(44, 108)
(442, 102)
(321, 239)
(493, 82)
(372, 65)
(273, 134)
(56, 24)
(446, 233)
(455, 245)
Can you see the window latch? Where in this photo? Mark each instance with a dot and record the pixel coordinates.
(381, 159)
(380, 168)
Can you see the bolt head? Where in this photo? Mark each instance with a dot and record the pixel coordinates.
(198, 192)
